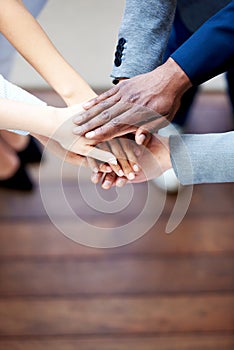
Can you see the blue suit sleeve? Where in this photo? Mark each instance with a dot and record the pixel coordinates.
(210, 50)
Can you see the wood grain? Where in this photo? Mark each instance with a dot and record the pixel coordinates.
(124, 276)
(191, 342)
(115, 315)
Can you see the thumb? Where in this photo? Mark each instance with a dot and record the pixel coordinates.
(140, 136)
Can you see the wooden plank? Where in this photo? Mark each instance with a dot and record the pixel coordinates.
(213, 199)
(125, 276)
(192, 342)
(133, 315)
(193, 236)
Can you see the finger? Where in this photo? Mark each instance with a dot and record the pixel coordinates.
(128, 117)
(103, 167)
(99, 116)
(121, 181)
(118, 151)
(112, 130)
(121, 169)
(98, 109)
(146, 140)
(103, 96)
(108, 180)
(136, 148)
(149, 128)
(129, 148)
(96, 177)
(116, 168)
(99, 154)
(93, 164)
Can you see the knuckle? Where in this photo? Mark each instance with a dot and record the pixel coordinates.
(106, 94)
(84, 116)
(101, 132)
(96, 100)
(104, 104)
(122, 84)
(116, 98)
(113, 90)
(82, 129)
(115, 123)
(133, 97)
(90, 124)
(105, 116)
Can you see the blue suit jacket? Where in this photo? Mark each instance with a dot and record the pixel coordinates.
(210, 50)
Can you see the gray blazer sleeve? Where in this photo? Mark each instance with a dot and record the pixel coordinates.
(143, 36)
(203, 158)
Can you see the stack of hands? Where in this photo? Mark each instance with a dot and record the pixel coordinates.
(115, 133)
(114, 162)
(126, 118)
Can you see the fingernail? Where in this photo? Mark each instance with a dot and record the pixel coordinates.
(120, 182)
(108, 168)
(120, 173)
(131, 176)
(95, 178)
(106, 184)
(136, 167)
(112, 161)
(86, 104)
(141, 138)
(90, 134)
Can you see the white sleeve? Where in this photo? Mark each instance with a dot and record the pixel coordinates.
(15, 93)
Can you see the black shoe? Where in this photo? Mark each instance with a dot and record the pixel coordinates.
(19, 181)
(32, 153)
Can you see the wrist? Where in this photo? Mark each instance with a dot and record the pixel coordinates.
(166, 156)
(178, 80)
(61, 123)
(53, 121)
(79, 97)
(76, 92)
(161, 151)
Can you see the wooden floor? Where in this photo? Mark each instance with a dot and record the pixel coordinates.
(162, 292)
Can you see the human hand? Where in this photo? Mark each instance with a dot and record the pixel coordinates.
(154, 160)
(62, 133)
(58, 129)
(55, 148)
(99, 169)
(126, 151)
(125, 167)
(147, 101)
